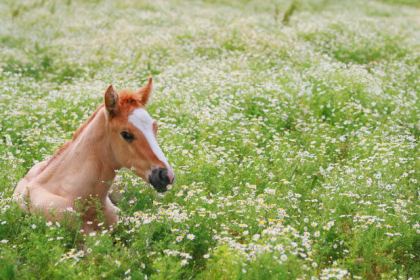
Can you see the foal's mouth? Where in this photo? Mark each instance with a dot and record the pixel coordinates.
(160, 189)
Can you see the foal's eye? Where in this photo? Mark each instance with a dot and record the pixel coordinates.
(127, 136)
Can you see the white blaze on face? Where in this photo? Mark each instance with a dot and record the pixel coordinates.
(144, 122)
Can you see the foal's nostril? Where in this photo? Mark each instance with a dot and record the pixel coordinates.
(163, 175)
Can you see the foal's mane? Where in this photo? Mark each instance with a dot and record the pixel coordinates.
(88, 121)
(75, 135)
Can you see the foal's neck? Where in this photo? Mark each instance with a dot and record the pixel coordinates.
(87, 162)
(94, 146)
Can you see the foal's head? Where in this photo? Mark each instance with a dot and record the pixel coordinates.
(133, 136)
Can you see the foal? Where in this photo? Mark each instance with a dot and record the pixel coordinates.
(120, 133)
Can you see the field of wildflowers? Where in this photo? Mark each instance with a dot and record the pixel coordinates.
(293, 129)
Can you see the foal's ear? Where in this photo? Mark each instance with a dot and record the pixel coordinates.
(111, 100)
(145, 91)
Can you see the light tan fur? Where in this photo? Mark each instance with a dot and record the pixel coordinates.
(84, 168)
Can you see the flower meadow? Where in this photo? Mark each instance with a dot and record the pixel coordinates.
(292, 127)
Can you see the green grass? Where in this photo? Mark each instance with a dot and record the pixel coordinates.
(292, 126)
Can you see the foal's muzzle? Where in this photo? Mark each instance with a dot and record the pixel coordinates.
(160, 178)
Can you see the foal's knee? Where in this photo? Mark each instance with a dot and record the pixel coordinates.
(111, 216)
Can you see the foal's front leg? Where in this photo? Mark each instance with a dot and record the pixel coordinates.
(110, 212)
(52, 206)
(96, 215)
